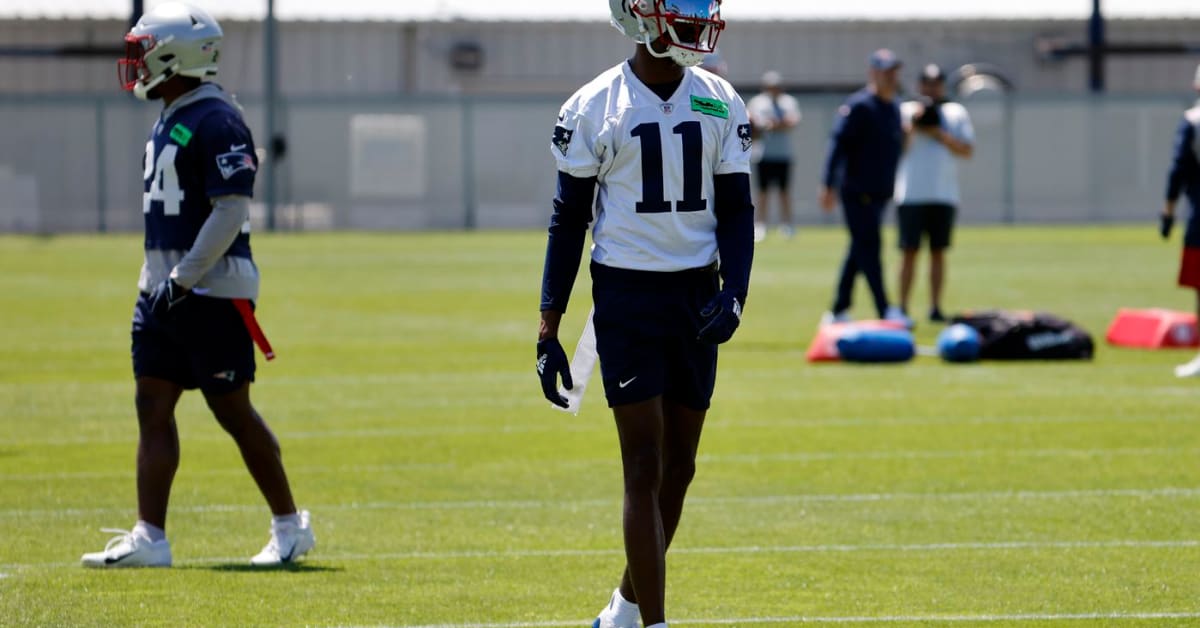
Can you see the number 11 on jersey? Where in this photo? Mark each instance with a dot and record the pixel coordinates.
(653, 197)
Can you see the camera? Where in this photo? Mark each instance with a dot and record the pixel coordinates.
(930, 115)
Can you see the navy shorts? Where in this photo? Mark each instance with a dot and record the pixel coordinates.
(646, 327)
(934, 219)
(203, 344)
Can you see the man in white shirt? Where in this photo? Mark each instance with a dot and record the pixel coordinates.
(774, 114)
(927, 195)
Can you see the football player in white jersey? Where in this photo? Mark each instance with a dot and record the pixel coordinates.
(663, 149)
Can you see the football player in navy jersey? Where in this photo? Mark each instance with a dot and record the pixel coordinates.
(193, 321)
(664, 149)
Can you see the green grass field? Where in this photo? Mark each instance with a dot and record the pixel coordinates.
(444, 491)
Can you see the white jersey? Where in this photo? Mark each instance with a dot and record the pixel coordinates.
(928, 171)
(654, 161)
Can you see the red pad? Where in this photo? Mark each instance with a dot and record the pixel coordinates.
(1153, 329)
(824, 344)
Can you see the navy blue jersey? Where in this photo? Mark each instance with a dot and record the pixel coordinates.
(202, 151)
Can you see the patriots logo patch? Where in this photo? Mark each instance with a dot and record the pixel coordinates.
(562, 138)
(231, 163)
(744, 134)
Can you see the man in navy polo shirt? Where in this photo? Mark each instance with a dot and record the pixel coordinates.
(864, 151)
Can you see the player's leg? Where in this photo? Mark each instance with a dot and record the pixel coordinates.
(762, 173)
(937, 279)
(158, 447)
(866, 247)
(291, 533)
(257, 444)
(691, 378)
(941, 228)
(908, 267)
(223, 363)
(640, 432)
(631, 319)
(161, 373)
(785, 199)
(850, 265)
(1192, 368)
(681, 437)
(908, 222)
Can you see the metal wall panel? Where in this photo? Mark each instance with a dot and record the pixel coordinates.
(340, 58)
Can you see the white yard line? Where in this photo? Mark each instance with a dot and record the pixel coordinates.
(232, 471)
(570, 504)
(984, 546)
(886, 619)
(799, 456)
(806, 456)
(589, 425)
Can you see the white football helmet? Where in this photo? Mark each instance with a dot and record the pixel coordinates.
(689, 28)
(172, 39)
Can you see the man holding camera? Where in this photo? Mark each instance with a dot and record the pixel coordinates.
(939, 133)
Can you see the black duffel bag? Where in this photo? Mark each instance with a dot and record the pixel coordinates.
(1025, 335)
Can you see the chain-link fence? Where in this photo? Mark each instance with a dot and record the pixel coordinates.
(74, 163)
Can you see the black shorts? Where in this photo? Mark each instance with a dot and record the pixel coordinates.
(203, 344)
(773, 173)
(646, 327)
(934, 219)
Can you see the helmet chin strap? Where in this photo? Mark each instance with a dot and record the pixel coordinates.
(685, 58)
(142, 90)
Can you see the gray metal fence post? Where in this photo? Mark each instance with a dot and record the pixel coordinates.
(101, 170)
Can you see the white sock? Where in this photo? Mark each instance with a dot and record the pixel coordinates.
(620, 610)
(148, 531)
(279, 520)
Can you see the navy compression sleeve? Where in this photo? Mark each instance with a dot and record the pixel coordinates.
(1183, 163)
(735, 231)
(564, 246)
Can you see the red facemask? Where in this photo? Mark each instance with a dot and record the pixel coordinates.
(132, 68)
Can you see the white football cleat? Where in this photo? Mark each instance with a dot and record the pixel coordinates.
(618, 613)
(288, 542)
(895, 314)
(829, 318)
(1191, 369)
(129, 550)
(760, 232)
(603, 622)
